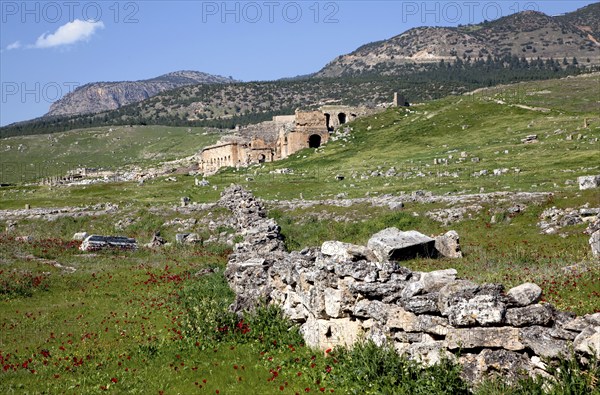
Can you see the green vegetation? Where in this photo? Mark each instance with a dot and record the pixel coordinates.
(156, 321)
(28, 158)
(228, 105)
(408, 139)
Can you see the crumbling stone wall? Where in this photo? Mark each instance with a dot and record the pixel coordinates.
(340, 293)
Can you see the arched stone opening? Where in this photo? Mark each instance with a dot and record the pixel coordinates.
(328, 122)
(314, 141)
(262, 158)
(342, 118)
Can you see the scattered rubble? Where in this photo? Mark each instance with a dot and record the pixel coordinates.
(187, 238)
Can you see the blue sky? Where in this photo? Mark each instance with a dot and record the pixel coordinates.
(48, 48)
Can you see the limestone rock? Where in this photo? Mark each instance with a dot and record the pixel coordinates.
(422, 304)
(376, 290)
(448, 245)
(80, 236)
(508, 365)
(337, 302)
(361, 270)
(156, 241)
(467, 338)
(371, 309)
(95, 242)
(480, 310)
(391, 244)
(429, 282)
(588, 182)
(595, 243)
(541, 342)
(535, 314)
(399, 318)
(588, 341)
(459, 289)
(429, 353)
(325, 334)
(187, 238)
(346, 251)
(525, 294)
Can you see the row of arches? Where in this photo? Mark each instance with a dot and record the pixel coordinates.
(220, 161)
(341, 117)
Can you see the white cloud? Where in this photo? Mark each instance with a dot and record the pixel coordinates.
(69, 33)
(15, 45)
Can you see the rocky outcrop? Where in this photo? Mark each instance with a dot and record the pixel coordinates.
(103, 96)
(341, 293)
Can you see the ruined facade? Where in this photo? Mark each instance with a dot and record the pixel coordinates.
(279, 138)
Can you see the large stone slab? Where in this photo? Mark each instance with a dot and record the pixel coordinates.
(468, 338)
(429, 282)
(95, 242)
(588, 182)
(480, 310)
(535, 314)
(540, 340)
(392, 244)
(326, 334)
(508, 365)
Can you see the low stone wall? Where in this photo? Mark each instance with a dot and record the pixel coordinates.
(341, 293)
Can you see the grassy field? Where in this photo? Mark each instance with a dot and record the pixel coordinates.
(32, 157)
(406, 139)
(156, 321)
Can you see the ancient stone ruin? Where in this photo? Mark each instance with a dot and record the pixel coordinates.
(341, 293)
(277, 139)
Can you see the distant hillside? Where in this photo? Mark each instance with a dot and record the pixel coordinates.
(227, 105)
(102, 96)
(526, 34)
(421, 64)
(586, 19)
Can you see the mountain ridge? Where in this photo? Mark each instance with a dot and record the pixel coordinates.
(101, 96)
(529, 34)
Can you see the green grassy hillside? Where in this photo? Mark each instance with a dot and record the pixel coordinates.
(487, 126)
(103, 147)
(157, 321)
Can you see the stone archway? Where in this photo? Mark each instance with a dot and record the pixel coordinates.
(262, 158)
(328, 122)
(342, 118)
(314, 141)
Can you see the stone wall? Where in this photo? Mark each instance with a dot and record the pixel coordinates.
(219, 155)
(340, 293)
